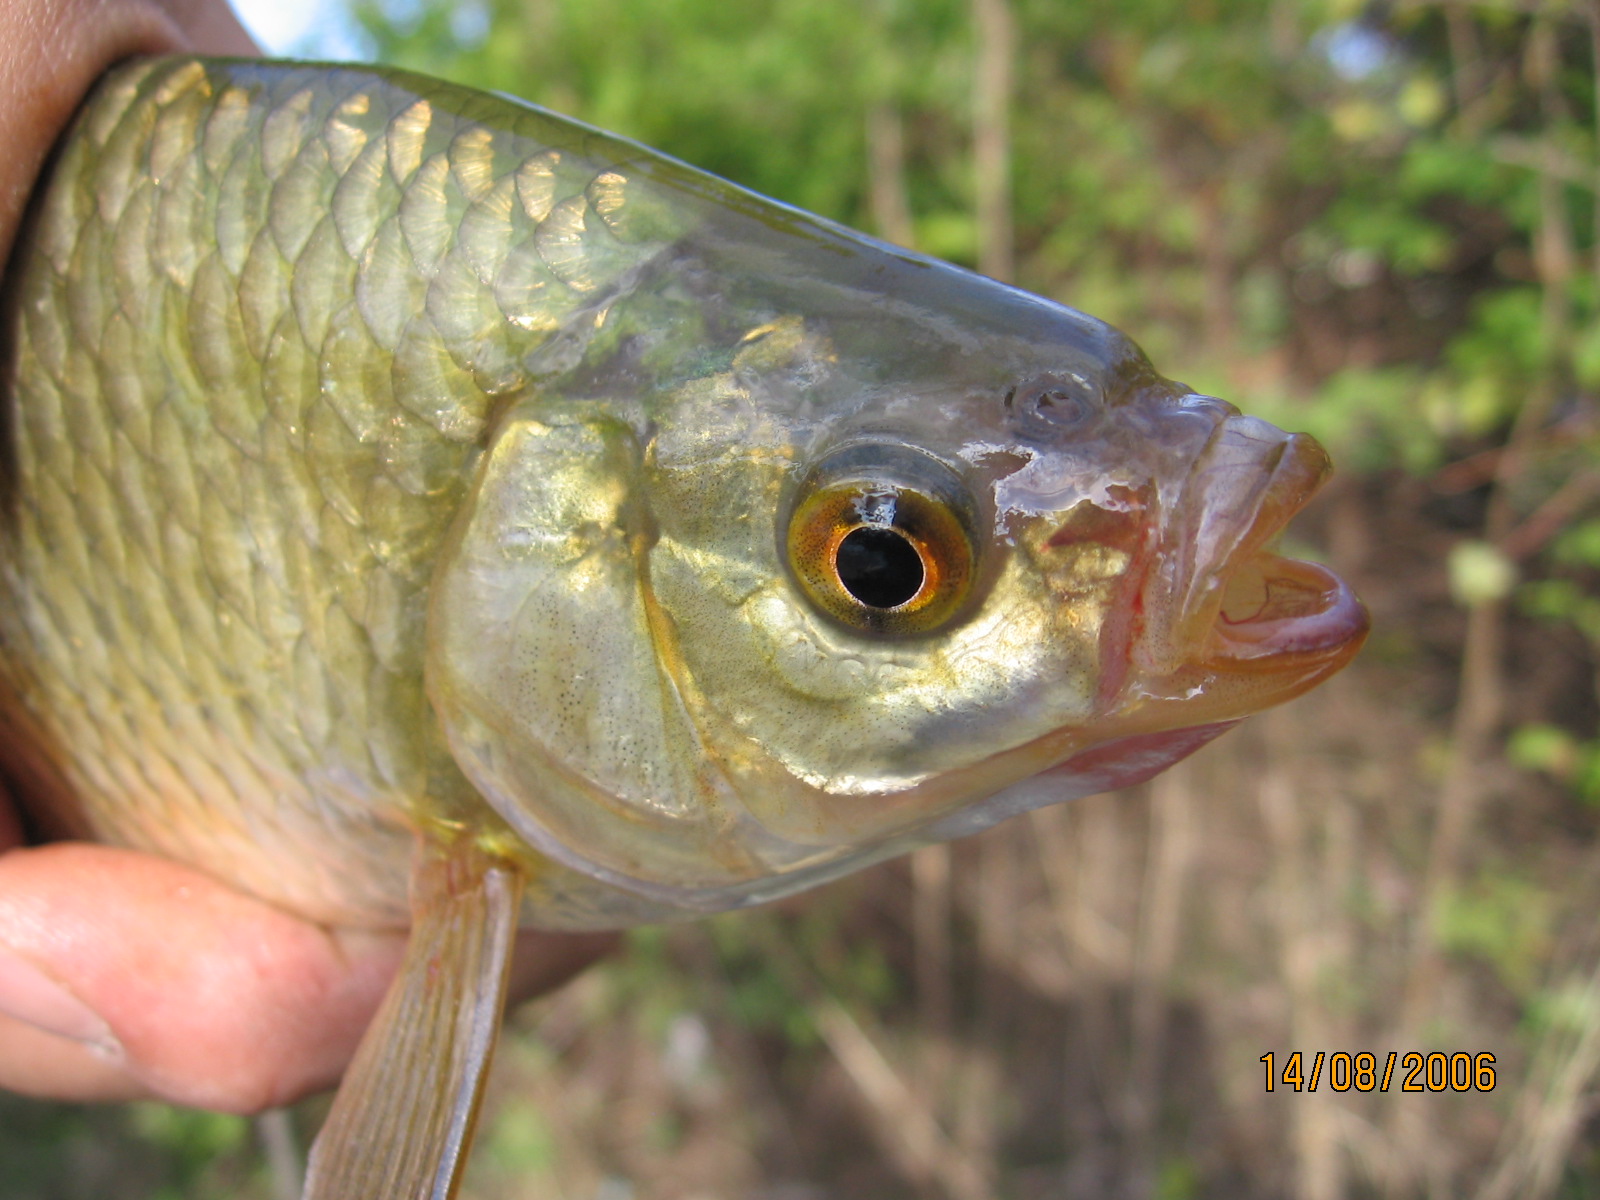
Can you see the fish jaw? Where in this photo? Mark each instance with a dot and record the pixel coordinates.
(1230, 626)
(1205, 627)
(1308, 626)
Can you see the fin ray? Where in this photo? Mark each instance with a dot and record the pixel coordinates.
(404, 1116)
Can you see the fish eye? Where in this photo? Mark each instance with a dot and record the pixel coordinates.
(880, 538)
(879, 567)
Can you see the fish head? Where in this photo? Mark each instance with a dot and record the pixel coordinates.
(856, 561)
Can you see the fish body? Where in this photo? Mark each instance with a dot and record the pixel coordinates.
(394, 465)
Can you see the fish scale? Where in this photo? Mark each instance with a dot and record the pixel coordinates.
(182, 411)
(413, 494)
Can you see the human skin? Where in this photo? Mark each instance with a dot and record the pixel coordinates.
(123, 975)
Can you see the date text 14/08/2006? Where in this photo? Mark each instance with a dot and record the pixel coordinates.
(1419, 1072)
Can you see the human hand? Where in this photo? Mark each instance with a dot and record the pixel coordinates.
(123, 975)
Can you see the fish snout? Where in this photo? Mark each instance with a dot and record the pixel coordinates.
(1222, 599)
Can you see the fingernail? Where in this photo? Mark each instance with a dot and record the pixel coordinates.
(32, 997)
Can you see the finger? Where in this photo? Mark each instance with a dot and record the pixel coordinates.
(124, 975)
(52, 51)
(154, 979)
(36, 1063)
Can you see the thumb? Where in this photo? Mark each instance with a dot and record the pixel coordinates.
(125, 975)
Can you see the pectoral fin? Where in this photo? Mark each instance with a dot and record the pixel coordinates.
(403, 1119)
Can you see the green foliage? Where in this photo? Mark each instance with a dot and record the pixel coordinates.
(196, 1144)
(1376, 414)
(1479, 573)
(193, 1136)
(646, 988)
(139, 1152)
(1221, 181)
(1569, 1006)
(761, 995)
(1563, 600)
(738, 89)
(1506, 922)
(1556, 752)
(1406, 240)
(1578, 545)
(519, 1143)
(35, 1141)
(1506, 337)
(1444, 168)
(1178, 1179)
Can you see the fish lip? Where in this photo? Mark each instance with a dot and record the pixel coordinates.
(1247, 482)
(1319, 618)
(1302, 467)
(1302, 613)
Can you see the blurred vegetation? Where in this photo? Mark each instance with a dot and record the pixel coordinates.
(67, 1152)
(1374, 222)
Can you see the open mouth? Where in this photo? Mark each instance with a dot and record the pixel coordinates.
(1245, 605)
(1273, 606)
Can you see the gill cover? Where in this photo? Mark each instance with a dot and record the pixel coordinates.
(558, 680)
(638, 715)
(543, 661)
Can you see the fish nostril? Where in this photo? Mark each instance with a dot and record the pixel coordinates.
(1045, 408)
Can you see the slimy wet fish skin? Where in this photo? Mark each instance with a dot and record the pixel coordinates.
(424, 509)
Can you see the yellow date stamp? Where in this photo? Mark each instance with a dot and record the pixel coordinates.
(1413, 1071)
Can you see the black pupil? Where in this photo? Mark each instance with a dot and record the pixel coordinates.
(879, 567)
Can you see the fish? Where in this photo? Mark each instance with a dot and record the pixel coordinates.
(424, 510)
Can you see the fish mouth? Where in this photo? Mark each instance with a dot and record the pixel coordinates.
(1231, 602)
(1275, 608)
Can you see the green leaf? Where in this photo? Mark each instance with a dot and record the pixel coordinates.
(1538, 747)
(1480, 574)
(1503, 920)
